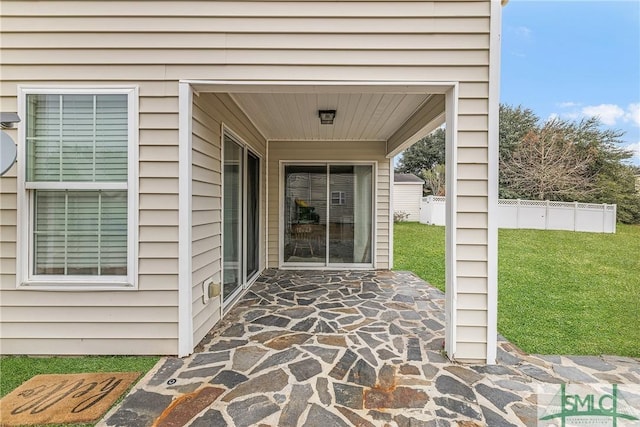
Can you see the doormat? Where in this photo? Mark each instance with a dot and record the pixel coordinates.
(64, 398)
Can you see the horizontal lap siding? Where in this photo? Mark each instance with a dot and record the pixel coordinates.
(8, 229)
(472, 205)
(210, 112)
(337, 152)
(117, 318)
(383, 208)
(148, 346)
(206, 208)
(155, 44)
(275, 41)
(133, 322)
(303, 8)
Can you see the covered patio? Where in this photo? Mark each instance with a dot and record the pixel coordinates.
(322, 197)
(341, 348)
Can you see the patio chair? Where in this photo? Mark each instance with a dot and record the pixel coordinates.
(302, 236)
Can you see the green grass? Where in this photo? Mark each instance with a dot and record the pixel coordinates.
(559, 292)
(14, 370)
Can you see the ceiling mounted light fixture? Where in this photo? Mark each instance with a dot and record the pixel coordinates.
(327, 116)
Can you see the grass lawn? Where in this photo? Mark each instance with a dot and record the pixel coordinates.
(14, 370)
(559, 292)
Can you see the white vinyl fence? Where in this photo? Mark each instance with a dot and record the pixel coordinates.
(536, 214)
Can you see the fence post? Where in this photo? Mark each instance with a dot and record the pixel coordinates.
(575, 216)
(518, 213)
(546, 215)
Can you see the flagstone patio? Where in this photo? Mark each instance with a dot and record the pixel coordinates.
(347, 348)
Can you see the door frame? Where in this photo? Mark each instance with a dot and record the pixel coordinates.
(246, 281)
(281, 226)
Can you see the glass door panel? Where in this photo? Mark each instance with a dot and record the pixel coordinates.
(350, 212)
(232, 244)
(363, 214)
(305, 213)
(253, 214)
(341, 214)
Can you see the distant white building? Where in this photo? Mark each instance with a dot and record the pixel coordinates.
(407, 195)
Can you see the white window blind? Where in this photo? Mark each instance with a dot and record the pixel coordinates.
(77, 163)
(81, 138)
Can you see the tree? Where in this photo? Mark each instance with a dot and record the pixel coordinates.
(618, 186)
(571, 161)
(557, 159)
(547, 165)
(434, 179)
(424, 154)
(515, 123)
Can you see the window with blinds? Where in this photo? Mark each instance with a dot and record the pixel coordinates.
(77, 179)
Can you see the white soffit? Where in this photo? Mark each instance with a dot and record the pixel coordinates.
(365, 111)
(359, 116)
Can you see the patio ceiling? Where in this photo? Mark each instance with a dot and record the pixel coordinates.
(359, 116)
(397, 113)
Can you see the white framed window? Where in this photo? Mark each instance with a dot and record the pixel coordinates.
(77, 194)
(338, 198)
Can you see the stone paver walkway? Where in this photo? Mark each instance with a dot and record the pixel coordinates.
(347, 348)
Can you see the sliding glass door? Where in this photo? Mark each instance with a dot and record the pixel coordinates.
(328, 211)
(241, 194)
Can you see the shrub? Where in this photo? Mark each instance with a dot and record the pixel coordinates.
(400, 216)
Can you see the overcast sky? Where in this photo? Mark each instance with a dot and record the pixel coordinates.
(575, 58)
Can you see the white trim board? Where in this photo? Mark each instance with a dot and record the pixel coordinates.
(451, 289)
(492, 214)
(185, 309)
(325, 86)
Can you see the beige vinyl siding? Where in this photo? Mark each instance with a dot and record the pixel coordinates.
(8, 230)
(361, 8)
(146, 321)
(382, 220)
(210, 112)
(407, 199)
(155, 44)
(117, 322)
(338, 151)
(471, 244)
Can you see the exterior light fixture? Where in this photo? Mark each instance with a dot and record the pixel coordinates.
(327, 116)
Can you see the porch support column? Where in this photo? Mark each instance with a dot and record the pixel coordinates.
(451, 161)
(471, 233)
(493, 164)
(185, 317)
